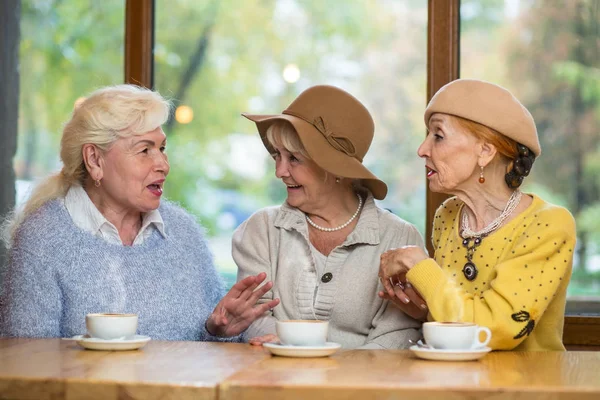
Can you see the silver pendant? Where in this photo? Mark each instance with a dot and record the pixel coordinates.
(470, 271)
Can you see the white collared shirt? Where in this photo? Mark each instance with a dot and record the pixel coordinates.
(86, 216)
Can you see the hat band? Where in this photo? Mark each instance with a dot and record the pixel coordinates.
(338, 142)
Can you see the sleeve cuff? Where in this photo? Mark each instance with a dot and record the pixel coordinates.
(208, 337)
(427, 277)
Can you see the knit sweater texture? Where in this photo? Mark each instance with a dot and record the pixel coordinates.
(57, 273)
(523, 271)
(276, 241)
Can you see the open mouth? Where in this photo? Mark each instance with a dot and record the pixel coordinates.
(293, 187)
(430, 172)
(156, 188)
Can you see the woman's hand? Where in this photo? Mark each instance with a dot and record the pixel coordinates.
(396, 263)
(238, 309)
(407, 299)
(259, 340)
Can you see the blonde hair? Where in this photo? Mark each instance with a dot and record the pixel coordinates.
(282, 134)
(104, 116)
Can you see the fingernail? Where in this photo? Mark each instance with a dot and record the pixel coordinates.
(408, 285)
(423, 306)
(406, 300)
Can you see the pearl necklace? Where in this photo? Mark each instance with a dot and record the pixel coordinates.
(473, 239)
(345, 224)
(513, 202)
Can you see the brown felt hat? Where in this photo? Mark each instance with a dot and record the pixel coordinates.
(335, 129)
(489, 105)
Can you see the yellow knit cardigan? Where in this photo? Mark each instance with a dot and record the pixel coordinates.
(523, 272)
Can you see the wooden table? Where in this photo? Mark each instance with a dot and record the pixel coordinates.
(58, 369)
(360, 374)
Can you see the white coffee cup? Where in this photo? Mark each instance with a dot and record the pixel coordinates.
(109, 326)
(455, 335)
(302, 332)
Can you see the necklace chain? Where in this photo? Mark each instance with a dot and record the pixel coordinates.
(473, 239)
(513, 202)
(345, 224)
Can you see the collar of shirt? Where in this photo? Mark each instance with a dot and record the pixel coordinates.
(86, 216)
(366, 231)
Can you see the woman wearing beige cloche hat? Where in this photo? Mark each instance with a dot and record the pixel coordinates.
(502, 258)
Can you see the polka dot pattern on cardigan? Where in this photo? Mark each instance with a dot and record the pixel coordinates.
(523, 269)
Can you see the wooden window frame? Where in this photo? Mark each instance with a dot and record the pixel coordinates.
(139, 42)
(443, 66)
(443, 40)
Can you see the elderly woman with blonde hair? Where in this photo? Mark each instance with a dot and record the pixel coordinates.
(96, 237)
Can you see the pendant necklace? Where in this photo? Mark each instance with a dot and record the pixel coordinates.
(471, 239)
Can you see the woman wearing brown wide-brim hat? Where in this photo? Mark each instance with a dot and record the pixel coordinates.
(502, 257)
(321, 248)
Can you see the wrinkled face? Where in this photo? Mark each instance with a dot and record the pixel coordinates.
(450, 154)
(308, 185)
(134, 171)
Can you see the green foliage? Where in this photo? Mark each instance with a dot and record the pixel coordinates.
(546, 52)
(481, 15)
(588, 77)
(356, 45)
(70, 48)
(67, 50)
(588, 221)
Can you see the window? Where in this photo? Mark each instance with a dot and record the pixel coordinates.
(218, 59)
(67, 50)
(548, 54)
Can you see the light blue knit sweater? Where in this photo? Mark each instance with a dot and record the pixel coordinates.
(58, 273)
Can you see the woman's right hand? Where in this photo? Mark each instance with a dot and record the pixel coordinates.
(407, 299)
(259, 340)
(239, 308)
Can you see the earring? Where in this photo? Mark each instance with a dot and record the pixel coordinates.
(481, 178)
(97, 183)
(337, 180)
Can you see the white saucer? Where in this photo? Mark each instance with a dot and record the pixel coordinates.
(302, 351)
(134, 343)
(450, 355)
